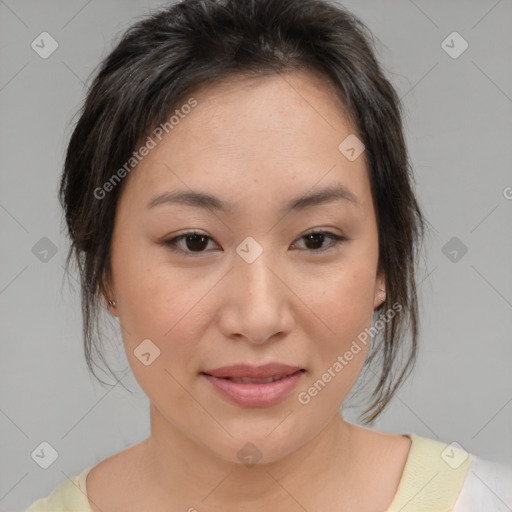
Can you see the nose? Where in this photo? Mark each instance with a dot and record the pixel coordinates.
(257, 303)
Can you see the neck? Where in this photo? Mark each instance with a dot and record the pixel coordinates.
(177, 466)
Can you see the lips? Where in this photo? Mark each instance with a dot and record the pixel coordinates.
(254, 386)
(252, 380)
(245, 373)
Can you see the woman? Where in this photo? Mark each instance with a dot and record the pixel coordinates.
(238, 194)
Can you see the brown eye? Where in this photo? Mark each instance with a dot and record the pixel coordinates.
(190, 243)
(315, 240)
(196, 242)
(193, 243)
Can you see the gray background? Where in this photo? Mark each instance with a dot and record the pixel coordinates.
(459, 130)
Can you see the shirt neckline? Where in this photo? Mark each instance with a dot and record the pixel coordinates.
(405, 472)
(82, 477)
(406, 479)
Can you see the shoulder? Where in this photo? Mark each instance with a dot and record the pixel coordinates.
(444, 476)
(488, 486)
(433, 476)
(68, 496)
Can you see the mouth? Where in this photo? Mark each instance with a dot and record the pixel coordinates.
(272, 370)
(252, 380)
(249, 391)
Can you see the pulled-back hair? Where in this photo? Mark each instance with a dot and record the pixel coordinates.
(163, 58)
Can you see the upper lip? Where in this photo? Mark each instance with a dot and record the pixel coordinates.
(255, 372)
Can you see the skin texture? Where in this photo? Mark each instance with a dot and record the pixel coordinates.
(257, 143)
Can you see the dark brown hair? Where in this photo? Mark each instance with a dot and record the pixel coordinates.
(196, 43)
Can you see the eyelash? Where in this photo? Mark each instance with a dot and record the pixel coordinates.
(171, 243)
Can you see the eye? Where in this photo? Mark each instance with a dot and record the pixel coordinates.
(314, 239)
(194, 242)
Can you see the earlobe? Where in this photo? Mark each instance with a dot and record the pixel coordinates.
(380, 297)
(380, 292)
(107, 292)
(110, 303)
(111, 306)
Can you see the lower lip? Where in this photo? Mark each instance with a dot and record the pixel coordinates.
(253, 394)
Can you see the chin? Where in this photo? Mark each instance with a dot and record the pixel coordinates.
(256, 447)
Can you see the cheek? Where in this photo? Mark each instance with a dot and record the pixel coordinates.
(161, 309)
(162, 304)
(342, 298)
(343, 315)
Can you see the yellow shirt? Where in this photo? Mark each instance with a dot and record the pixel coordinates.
(432, 480)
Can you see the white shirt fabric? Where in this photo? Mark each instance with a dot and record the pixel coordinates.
(487, 488)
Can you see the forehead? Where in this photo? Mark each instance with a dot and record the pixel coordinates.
(280, 105)
(278, 135)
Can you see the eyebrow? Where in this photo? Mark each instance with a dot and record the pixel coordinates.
(207, 201)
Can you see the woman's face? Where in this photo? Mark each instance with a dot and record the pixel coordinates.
(256, 289)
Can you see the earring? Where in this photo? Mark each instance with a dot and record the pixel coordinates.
(111, 303)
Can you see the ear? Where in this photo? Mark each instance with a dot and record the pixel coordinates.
(379, 296)
(108, 294)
